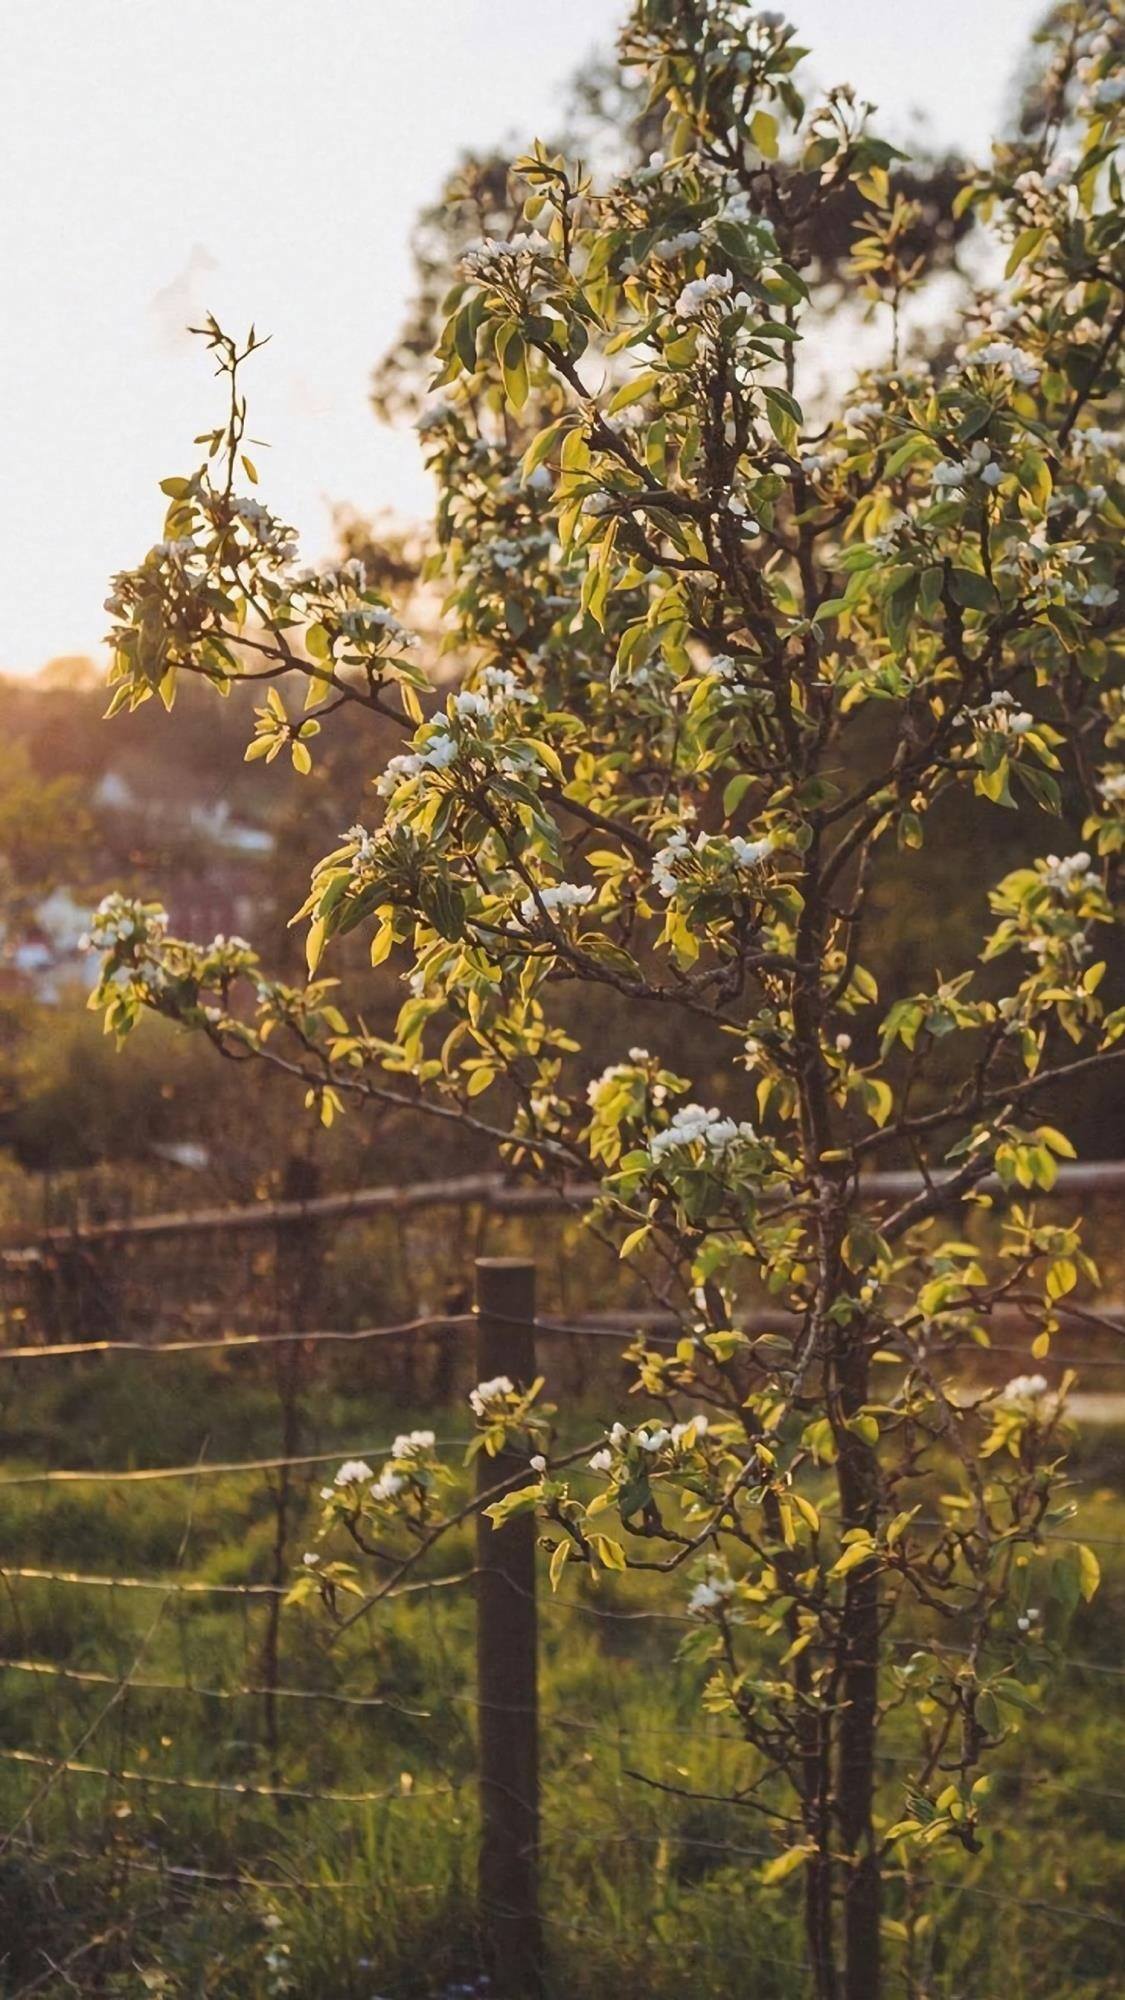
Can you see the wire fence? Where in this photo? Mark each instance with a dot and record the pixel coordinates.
(61, 1765)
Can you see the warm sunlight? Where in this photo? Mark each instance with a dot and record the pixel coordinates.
(166, 161)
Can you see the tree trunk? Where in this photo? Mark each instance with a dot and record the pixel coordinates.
(858, 1474)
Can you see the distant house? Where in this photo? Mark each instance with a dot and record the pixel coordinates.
(215, 822)
(46, 955)
(114, 793)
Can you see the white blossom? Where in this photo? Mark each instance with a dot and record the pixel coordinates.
(717, 1590)
(1029, 1395)
(695, 1124)
(699, 293)
(410, 1443)
(671, 246)
(1070, 874)
(482, 257)
(557, 896)
(699, 1424)
(490, 1392)
(354, 1472)
(752, 853)
(1021, 366)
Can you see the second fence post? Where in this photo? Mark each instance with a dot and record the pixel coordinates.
(507, 1661)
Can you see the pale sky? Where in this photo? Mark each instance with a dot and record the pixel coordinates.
(266, 161)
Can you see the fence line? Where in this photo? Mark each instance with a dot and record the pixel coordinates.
(235, 1342)
(88, 1677)
(555, 1603)
(491, 1191)
(659, 1328)
(211, 1469)
(195, 1586)
(129, 1865)
(232, 1786)
(461, 1698)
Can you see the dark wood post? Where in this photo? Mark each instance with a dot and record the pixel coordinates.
(297, 1286)
(507, 1687)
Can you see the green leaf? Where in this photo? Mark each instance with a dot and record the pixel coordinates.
(859, 1552)
(970, 588)
(524, 1500)
(1026, 243)
(783, 1865)
(763, 131)
(513, 364)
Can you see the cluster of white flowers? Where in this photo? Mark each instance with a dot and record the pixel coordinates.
(679, 845)
(1029, 1395)
(1112, 788)
(179, 551)
(712, 1594)
(949, 475)
(366, 846)
(1028, 1619)
(813, 463)
(1000, 713)
(650, 1438)
(373, 622)
(651, 171)
(721, 667)
(501, 686)
(752, 853)
(1099, 596)
(695, 1124)
(410, 1443)
(353, 1472)
(683, 239)
(486, 1393)
(1034, 187)
(389, 1484)
(738, 506)
(1096, 438)
(1070, 875)
(270, 535)
(699, 293)
(618, 1072)
(1019, 364)
(123, 920)
(440, 752)
(666, 859)
(482, 258)
(557, 896)
(862, 413)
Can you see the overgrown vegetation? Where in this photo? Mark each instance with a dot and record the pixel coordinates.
(646, 1888)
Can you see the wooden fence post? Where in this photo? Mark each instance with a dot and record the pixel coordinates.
(507, 1686)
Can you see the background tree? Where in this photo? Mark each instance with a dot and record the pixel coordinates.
(730, 671)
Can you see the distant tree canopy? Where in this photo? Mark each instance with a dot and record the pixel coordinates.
(611, 116)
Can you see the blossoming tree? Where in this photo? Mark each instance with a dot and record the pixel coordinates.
(727, 658)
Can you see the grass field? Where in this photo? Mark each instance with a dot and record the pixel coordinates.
(646, 1893)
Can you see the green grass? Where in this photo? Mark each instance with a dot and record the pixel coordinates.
(646, 1893)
